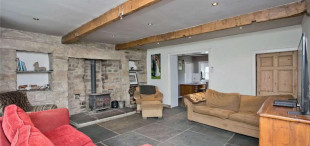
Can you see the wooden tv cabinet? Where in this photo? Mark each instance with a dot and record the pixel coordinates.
(277, 127)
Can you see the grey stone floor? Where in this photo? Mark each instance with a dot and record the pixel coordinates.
(91, 116)
(172, 130)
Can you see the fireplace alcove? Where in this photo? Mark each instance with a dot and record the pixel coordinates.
(104, 82)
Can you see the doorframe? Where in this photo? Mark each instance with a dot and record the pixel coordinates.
(254, 53)
(172, 93)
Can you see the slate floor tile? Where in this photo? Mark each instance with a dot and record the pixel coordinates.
(126, 124)
(130, 139)
(241, 140)
(190, 138)
(127, 109)
(82, 118)
(158, 131)
(166, 144)
(107, 113)
(97, 133)
(172, 111)
(209, 130)
(177, 122)
(100, 144)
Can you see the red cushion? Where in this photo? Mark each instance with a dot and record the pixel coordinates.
(13, 118)
(30, 136)
(66, 135)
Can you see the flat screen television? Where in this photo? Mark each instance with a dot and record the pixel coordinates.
(303, 78)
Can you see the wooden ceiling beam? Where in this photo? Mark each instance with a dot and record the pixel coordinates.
(285, 11)
(110, 16)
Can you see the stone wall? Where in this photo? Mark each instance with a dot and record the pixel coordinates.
(76, 87)
(12, 40)
(111, 78)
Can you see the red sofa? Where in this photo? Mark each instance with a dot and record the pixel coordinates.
(52, 124)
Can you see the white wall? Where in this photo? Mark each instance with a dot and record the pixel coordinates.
(231, 57)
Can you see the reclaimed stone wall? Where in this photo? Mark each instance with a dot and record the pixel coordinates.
(76, 87)
(13, 40)
(112, 79)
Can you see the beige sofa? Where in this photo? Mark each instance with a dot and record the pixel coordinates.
(229, 111)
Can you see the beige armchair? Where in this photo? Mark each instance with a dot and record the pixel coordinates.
(157, 97)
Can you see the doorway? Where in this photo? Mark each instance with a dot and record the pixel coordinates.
(276, 73)
(192, 74)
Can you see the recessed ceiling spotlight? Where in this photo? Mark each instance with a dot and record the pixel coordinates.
(37, 19)
(215, 4)
(149, 24)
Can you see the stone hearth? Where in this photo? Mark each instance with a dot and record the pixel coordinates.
(89, 118)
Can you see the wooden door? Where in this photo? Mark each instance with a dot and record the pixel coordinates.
(276, 73)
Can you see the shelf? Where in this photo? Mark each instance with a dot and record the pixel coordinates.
(134, 59)
(35, 90)
(134, 70)
(49, 71)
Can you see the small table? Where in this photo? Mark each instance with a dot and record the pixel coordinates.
(152, 109)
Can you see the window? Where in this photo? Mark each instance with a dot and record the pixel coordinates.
(204, 70)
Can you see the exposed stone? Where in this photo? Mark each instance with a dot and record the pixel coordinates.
(64, 60)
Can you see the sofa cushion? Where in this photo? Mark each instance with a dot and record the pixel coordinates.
(30, 136)
(196, 97)
(251, 103)
(67, 135)
(13, 118)
(147, 89)
(227, 101)
(249, 118)
(3, 140)
(217, 112)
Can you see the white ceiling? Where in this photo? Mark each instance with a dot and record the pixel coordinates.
(58, 17)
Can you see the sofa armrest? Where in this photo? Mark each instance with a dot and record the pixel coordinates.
(50, 119)
(188, 104)
(190, 107)
(159, 95)
(137, 97)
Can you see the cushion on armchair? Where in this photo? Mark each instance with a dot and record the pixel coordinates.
(14, 118)
(147, 89)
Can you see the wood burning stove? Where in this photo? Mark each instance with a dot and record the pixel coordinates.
(97, 101)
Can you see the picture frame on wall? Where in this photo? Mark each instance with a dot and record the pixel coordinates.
(133, 79)
(156, 66)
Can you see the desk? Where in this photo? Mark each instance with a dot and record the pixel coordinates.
(190, 88)
(277, 127)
